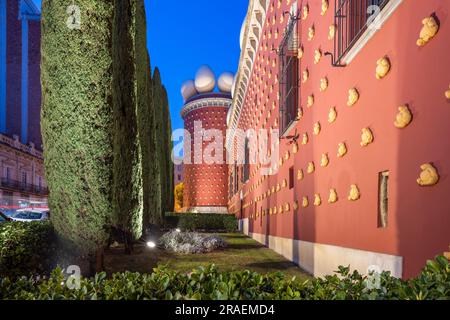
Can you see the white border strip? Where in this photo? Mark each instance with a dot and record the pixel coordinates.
(322, 259)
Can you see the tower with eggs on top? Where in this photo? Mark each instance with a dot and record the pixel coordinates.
(205, 183)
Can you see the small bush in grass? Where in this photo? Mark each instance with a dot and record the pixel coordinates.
(190, 242)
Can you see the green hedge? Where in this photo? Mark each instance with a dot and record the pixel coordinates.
(207, 222)
(208, 283)
(26, 248)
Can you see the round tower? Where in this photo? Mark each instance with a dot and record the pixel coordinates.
(205, 181)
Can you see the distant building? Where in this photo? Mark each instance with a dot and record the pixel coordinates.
(21, 161)
(178, 172)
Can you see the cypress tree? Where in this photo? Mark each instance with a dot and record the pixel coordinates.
(128, 98)
(77, 120)
(104, 124)
(167, 132)
(159, 144)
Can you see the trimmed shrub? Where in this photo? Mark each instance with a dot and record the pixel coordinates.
(210, 284)
(128, 77)
(190, 242)
(26, 248)
(201, 222)
(77, 120)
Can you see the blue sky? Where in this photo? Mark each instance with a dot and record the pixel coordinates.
(183, 35)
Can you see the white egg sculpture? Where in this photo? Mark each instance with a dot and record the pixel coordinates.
(225, 82)
(205, 80)
(188, 89)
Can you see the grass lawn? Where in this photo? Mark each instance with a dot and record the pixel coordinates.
(241, 253)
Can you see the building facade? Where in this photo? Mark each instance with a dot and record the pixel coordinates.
(359, 93)
(21, 167)
(178, 170)
(205, 168)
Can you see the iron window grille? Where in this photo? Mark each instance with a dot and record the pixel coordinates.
(289, 75)
(352, 18)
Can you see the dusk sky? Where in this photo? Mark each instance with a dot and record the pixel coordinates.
(184, 35)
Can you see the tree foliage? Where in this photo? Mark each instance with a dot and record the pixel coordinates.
(101, 116)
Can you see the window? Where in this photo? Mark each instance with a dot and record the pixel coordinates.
(246, 173)
(291, 178)
(24, 177)
(236, 179)
(383, 199)
(289, 76)
(352, 19)
(8, 174)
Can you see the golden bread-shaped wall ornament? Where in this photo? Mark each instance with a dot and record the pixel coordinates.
(305, 12)
(295, 148)
(287, 207)
(305, 139)
(323, 84)
(310, 101)
(317, 128)
(333, 198)
(300, 52)
(305, 202)
(354, 194)
(317, 200)
(300, 113)
(353, 97)
(278, 187)
(332, 115)
(342, 150)
(287, 156)
(273, 189)
(305, 75)
(300, 174)
(281, 209)
(383, 68)
(275, 210)
(295, 205)
(311, 168)
(332, 32)
(271, 211)
(284, 183)
(325, 6)
(447, 93)
(366, 137)
(311, 33)
(325, 161)
(317, 56)
(429, 175)
(404, 117)
(429, 30)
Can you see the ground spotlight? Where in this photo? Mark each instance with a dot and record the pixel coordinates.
(151, 244)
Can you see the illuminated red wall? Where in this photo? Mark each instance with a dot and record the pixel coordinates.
(419, 217)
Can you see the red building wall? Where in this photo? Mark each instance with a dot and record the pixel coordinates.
(419, 219)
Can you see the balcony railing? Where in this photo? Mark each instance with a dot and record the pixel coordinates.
(352, 18)
(23, 187)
